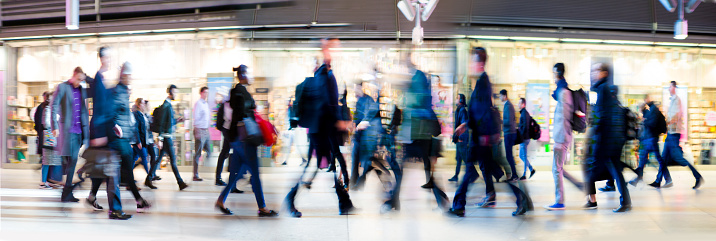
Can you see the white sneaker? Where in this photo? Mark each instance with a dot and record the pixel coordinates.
(45, 186)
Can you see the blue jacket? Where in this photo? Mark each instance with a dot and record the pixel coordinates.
(480, 119)
(461, 117)
(120, 112)
(508, 118)
(360, 108)
(320, 110)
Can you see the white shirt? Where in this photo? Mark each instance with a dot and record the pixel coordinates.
(201, 114)
(675, 114)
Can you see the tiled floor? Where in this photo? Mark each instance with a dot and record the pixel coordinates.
(678, 213)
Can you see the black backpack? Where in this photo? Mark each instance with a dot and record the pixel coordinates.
(157, 119)
(535, 130)
(631, 124)
(579, 102)
(660, 123)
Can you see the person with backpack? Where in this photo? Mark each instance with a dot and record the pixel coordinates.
(509, 129)
(163, 124)
(607, 137)
(363, 100)
(484, 121)
(562, 128)
(461, 140)
(524, 130)
(672, 148)
(653, 125)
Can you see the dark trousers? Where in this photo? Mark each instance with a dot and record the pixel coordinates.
(510, 139)
(244, 155)
(168, 148)
(319, 141)
(225, 148)
(673, 152)
(355, 156)
(612, 160)
(124, 150)
(71, 160)
(647, 147)
(140, 153)
(460, 156)
(397, 172)
(423, 149)
(338, 156)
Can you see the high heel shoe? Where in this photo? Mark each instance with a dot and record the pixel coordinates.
(222, 209)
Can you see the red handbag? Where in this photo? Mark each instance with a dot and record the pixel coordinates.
(267, 129)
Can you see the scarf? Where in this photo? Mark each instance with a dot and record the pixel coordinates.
(562, 83)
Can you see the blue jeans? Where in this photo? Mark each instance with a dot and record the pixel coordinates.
(523, 156)
(168, 148)
(647, 147)
(482, 155)
(244, 155)
(460, 155)
(141, 153)
(673, 152)
(355, 157)
(510, 139)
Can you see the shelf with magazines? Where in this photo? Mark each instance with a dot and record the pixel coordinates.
(700, 129)
(21, 135)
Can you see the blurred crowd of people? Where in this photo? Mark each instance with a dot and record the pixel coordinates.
(119, 134)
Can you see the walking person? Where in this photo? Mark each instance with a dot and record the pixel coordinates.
(72, 128)
(607, 137)
(524, 130)
(461, 140)
(167, 123)
(372, 129)
(322, 116)
(39, 120)
(223, 126)
(138, 150)
(243, 107)
(562, 129)
(509, 129)
(145, 138)
(202, 139)
(43, 125)
(653, 125)
(672, 149)
(363, 101)
(484, 122)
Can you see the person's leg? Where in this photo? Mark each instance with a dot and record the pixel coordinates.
(45, 171)
(169, 149)
(141, 153)
(113, 196)
(96, 183)
(156, 162)
(355, 156)
(75, 141)
(124, 150)
(198, 146)
(509, 143)
(614, 168)
(459, 157)
(234, 170)
(251, 155)
(225, 147)
(677, 154)
(523, 156)
(644, 150)
(560, 154)
(460, 198)
(662, 173)
(394, 200)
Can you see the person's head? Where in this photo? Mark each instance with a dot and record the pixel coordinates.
(672, 88)
(242, 74)
(359, 90)
(647, 98)
(461, 100)
(503, 95)
(480, 55)
(46, 96)
(599, 71)
(104, 55)
(204, 93)
(558, 71)
(171, 91)
(523, 103)
(77, 77)
(140, 104)
(125, 74)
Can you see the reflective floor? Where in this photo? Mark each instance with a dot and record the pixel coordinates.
(677, 213)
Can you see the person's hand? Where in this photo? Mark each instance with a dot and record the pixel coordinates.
(118, 131)
(362, 125)
(56, 133)
(341, 126)
(461, 129)
(139, 145)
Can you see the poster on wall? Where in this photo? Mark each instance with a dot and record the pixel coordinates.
(538, 98)
(219, 88)
(443, 101)
(683, 94)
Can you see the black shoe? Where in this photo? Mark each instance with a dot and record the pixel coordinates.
(149, 184)
(270, 213)
(512, 179)
(295, 213)
(532, 173)
(236, 190)
(197, 179)
(655, 184)
(622, 208)
(348, 211)
(220, 182)
(699, 181)
(590, 205)
(458, 213)
(453, 179)
(283, 164)
(156, 178)
(520, 211)
(143, 205)
(522, 178)
(182, 186)
(428, 185)
(608, 189)
(119, 215)
(307, 185)
(94, 204)
(389, 206)
(222, 209)
(70, 200)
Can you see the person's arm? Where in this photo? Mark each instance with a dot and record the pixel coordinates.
(59, 95)
(567, 107)
(506, 116)
(220, 118)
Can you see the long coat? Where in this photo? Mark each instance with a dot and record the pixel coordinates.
(62, 105)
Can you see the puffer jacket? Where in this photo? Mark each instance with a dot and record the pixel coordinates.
(120, 112)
